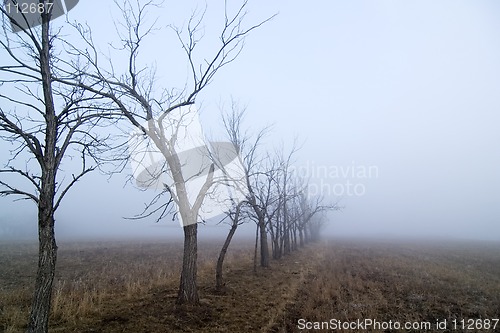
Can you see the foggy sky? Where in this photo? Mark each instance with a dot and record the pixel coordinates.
(409, 89)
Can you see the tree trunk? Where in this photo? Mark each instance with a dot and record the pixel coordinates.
(275, 239)
(264, 246)
(188, 290)
(307, 235)
(275, 247)
(286, 240)
(255, 249)
(219, 281)
(38, 321)
(301, 237)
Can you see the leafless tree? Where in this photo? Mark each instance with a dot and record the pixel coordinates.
(48, 125)
(136, 94)
(311, 216)
(287, 208)
(246, 146)
(235, 216)
(263, 200)
(286, 194)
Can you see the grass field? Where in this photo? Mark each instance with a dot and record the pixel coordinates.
(131, 287)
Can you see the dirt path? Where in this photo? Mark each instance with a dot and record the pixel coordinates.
(252, 302)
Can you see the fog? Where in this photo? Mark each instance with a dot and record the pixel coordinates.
(396, 106)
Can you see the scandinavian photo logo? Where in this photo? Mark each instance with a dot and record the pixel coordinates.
(183, 151)
(336, 180)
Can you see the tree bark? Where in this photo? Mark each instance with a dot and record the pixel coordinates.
(255, 249)
(264, 246)
(301, 238)
(275, 239)
(188, 290)
(286, 240)
(294, 238)
(38, 321)
(219, 280)
(307, 234)
(47, 254)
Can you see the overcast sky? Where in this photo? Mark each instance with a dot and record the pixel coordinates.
(397, 104)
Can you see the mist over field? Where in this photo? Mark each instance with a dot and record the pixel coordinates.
(249, 166)
(394, 104)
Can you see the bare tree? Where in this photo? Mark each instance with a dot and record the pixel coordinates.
(286, 208)
(48, 124)
(147, 107)
(285, 193)
(235, 217)
(263, 200)
(255, 170)
(246, 146)
(310, 216)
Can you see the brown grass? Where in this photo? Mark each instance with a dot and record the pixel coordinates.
(131, 287)
(415, 283)
(116, 287)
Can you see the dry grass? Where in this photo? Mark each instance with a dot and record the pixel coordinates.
(401, 282)
(131, 287)
(115, 287)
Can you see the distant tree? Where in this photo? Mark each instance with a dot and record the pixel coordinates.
(49, 125)
(246, 146)
(311, 216)
(263, 201)
(235, 217)
(286, 207)
(285, 192)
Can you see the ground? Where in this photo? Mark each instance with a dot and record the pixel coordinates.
(131, 287)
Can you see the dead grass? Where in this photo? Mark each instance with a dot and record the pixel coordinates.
(116, 287)
(400, 282)
(131, 287)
